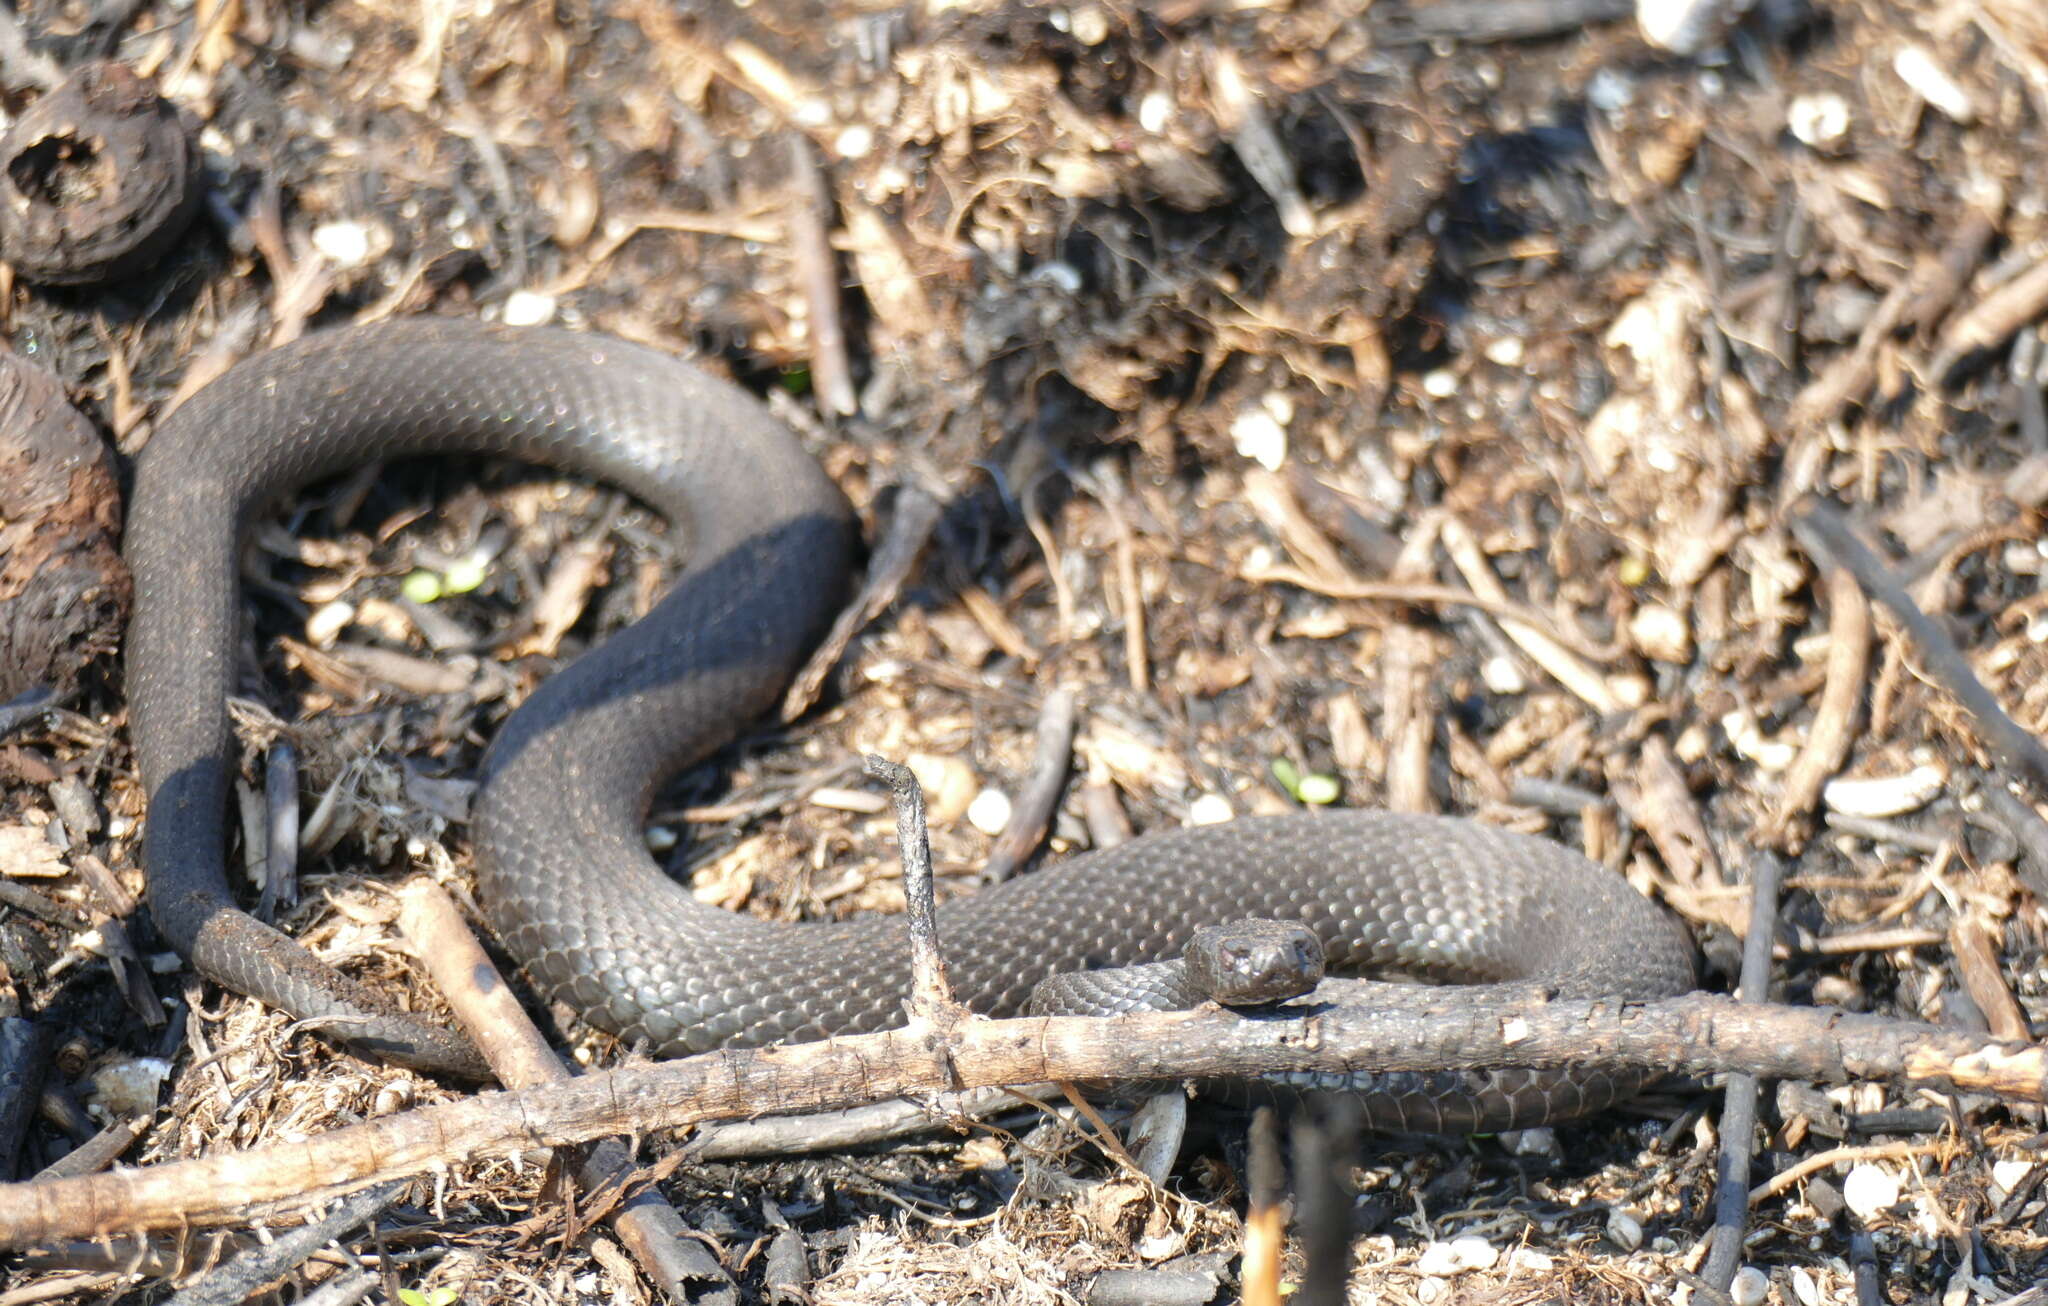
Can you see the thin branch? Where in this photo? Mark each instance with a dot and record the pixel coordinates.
(817, 273)
(910, 526)
(1823, 531)
(1738, 1115)
(930, 996)
(239, 1279)
(24, 1061)
(1039, 795)
(650, 1228)
(1425, 593)
(1699, 1034)
(281, 846)
(25, 707)
(1834, 721)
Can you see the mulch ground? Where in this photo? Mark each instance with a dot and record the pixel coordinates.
(1196, 319)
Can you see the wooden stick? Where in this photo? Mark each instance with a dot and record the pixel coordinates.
(1823, 531)
(1834, 721)
(1738, 1113)
(817, 276)
(930, 997)
(1698, 1034)
(1039, 797)
(649, 1227)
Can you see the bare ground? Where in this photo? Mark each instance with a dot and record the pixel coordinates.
(1568, 317)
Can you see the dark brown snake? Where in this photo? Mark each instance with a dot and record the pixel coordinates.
(566, 879)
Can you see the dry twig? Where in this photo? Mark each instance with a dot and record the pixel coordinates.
(1834, 721)
(521, 1058)
(1040, 794)
(1823, 531)
(1738, 1114)
(1698, 1034)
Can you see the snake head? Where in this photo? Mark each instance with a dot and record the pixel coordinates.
(1251, 962)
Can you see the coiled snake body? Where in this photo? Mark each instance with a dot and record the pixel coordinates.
(565, 877)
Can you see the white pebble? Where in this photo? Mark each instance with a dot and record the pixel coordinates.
(1505, 352)
(1210, 809)
(1624, 1230)
(660, 838)
(1474, 1253)
(1819, 120)
(328, 621)
(127, 1088)
(1540, 1141)
(1429, 1291)
(1931, 82)
(1440, 384)
(1528, 1258)
(1437, 1259)
(1469, 1252)
(1886, 795)
(1750, 1288)
(1090, 26)
(1061, 276)
(2009, 1175)
(528, 308)
(1869, 1189)
(854, 142)
(1803, 1286)
(1661, 633)
(989, 812)
(950, 785)
(344, 244)
(1155, 111)
(1610, 89)
(1261, 437)
(1503, 675)
(1687, 27)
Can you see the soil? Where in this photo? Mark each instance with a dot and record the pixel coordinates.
(1193, 317)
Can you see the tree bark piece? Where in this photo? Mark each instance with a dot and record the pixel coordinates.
(97, 180)
(63, 588)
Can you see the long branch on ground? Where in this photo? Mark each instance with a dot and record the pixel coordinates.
(1698, 1034)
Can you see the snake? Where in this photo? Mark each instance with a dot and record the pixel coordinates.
(564, 874)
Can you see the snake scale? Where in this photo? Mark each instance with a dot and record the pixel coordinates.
(564, 873)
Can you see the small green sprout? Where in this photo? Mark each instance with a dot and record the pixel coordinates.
(1315, 789)
(423, 586)
(466, 574)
